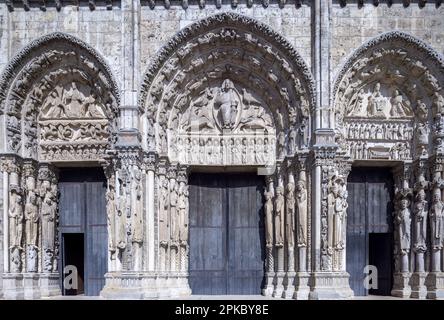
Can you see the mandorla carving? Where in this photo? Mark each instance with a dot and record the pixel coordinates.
(217, 110)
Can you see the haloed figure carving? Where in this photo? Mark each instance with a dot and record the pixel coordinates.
(279, 216)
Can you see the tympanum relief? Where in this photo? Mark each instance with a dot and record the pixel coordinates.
(224, 125)
(59, 107)
(74, 115)
(386, 97)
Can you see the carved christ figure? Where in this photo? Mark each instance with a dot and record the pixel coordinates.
(268, 207)
(403, 222)
(226, 104)
(301, 199)
(436, 221)
(279, 216)
(420, 211)
(290, 226)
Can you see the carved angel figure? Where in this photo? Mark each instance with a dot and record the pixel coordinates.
(399, 106)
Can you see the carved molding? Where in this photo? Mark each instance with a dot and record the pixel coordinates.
(18, 60)
(225, 20)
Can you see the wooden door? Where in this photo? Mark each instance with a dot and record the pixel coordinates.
(369, 227)
(226, 234)
(82, 209)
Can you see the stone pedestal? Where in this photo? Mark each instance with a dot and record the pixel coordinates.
(435, 285)
(123, 286)
(279, 287)
(302, 289)
(145, 285)
(269, 284)
(401, 285)
(289, 285)
(183, 285)
(50, 285)
(419, 289)
(330, 286)
(13, 286)
(31, 286)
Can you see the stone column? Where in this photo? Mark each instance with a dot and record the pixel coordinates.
(150, 166)
(269, 237)
(183, 226)
(12, 229)
(48, 192)
(31, 230)
(290, 230)
(302, 289)
(402, 230)
(330, 280)
(435, 278)
(420, 213)
(128, 280)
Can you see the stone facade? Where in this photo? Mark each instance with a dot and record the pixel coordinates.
(150, 91)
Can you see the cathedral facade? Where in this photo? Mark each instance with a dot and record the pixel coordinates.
(156, 149)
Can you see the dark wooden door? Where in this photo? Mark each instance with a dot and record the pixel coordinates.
(83, 211)
(369, 227)
(226, 234)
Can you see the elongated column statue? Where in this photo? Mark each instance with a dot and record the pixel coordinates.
(290, 224)
(420, 212)
(32, 220)
(15, 228)
(436, 229)
(174, 220)
(402, 233)
(137, 219)
(164, 205)
(279, 233)
(121, 234)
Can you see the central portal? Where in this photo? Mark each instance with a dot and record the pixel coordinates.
(226, 234)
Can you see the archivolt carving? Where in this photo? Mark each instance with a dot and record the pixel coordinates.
(223, 78)
(63, 99)
(383, 96)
